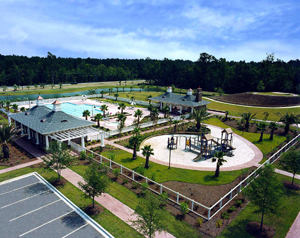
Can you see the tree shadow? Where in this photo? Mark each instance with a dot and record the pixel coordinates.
(73, 220)
(210, 178)
(35, 189)
(237, 230)
(127, 160)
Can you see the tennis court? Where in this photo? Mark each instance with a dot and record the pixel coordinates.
(31, 207)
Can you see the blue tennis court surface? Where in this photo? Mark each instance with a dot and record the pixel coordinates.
(31, 207)
(77, 109)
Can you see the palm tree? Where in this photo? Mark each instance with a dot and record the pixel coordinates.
(122, 106)
(218, 156)
(2, 103)
(28, 87)
(288, 119)
(121, 118)
(86, 114)
(98, 117)
(7, 102)
(123, 89)
(36, 86)
(266, 115)
(273, 126)
(138, 113)
(135, 141)
(22, 109)
(60, 85)
(131, 89)
(154, 114)
(7, 134)
(200, 115)
(15, 107)
(102, 92)
(248, 116)
(52, 85)
(165, 110)
(226, 115)
(262, 126)
(150, 96)
(132, 98)
(147, 151)
(104, 108)
(116, 95)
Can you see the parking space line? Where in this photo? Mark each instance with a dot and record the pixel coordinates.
(45, 223)
(19, 188)
(75, 230)
(34, 210)
(24, 199)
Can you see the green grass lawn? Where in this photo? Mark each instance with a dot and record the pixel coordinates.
(235, 110)
(163, 174)
(288, 212)
(129, 198)
(266, 146)
(3, 167)
(3, 120)
(140, 96)
(106, 219)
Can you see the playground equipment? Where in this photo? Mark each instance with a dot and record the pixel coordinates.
(207, 145)
(172, 143)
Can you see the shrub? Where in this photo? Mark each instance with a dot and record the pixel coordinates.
(82, 155)
(238, 202)
(199, 221)
(225, 215)
(144, 188)
(153, 176)
(116, 172)
(135, 185)
(232, 208)
(125, 181)
(140, 170)
(184, 209)
(163, 197)
(219, 223)
(288, 137)
(112, 155)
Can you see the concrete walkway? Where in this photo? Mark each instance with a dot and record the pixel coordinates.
(116, 207)
(297, 176)
(294, 231)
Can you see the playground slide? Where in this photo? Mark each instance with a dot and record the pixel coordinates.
(199, 156)
(216, 142)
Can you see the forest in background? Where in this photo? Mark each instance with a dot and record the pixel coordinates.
(207, 72)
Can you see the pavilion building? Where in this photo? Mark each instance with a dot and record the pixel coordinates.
(41, 125)
(179, 103)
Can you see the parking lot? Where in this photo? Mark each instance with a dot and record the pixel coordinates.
(31, 207)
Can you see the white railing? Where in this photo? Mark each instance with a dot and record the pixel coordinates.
(176, 197)
(76, 147)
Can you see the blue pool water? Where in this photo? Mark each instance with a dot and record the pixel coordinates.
(77, 110)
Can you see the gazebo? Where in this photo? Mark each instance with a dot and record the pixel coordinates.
(187, 102)
(41, 125)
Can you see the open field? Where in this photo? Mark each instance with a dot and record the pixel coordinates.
(68, 88)
(105, 219)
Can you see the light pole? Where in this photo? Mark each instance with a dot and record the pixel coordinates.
(170, 147)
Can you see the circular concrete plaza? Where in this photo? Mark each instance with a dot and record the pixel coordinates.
(245, 155)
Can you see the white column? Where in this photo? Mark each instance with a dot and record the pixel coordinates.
(180, 110)
(170, 107)
(192, 109)
(47, 142)
(69, 140)
(15, 124)
(9, 120)
(29, 135)
(160, 105)
(102, 139)
(22, 133)
(37, 138)
(82, 142)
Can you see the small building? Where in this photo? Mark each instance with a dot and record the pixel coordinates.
(41, 125)
(181, 103)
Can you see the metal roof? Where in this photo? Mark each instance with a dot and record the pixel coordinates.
(183, 100)
(75, 133)
(45, 121)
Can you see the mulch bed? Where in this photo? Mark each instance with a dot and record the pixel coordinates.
(288, 185)
(253, 228)
(90, 210)
(250, 99)
(17, 156)
(59, 183)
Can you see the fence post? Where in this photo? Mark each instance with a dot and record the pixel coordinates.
(121, 169)
(110, 163)
(240, 189)
(177, 197)
(161, 188)
(193, 205)
(230, 194)
(101, 159)
(133, 175)
(208, 214)
(220, 204)
(146, 180)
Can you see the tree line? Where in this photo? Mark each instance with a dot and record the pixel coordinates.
(207, 72)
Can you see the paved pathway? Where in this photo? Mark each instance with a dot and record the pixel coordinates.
(294, 231)
(119, 209)
(297, 176)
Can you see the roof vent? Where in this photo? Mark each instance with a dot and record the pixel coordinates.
(27, 113)
(183, 99)
(43, 120)
(163, 96)
(64, 121)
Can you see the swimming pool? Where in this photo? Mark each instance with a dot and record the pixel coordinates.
(77, 109)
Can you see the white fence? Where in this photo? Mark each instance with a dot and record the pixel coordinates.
(174, 196)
